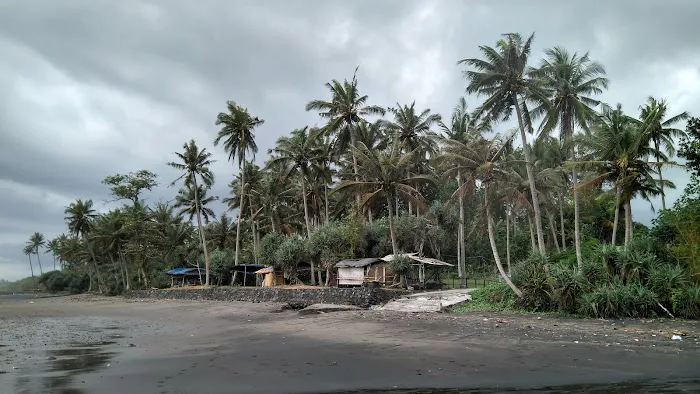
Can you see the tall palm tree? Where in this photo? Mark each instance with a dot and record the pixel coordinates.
(194, 164)
(79, 216)
(569, 81)
(386, 176)
(28, 250)
(52, 247)
(237, 127)
(346, 110)
(461, 128)
(502, 77)
(300, 153)
(221, 233)
(480, 160)
(661, 132)
(37, 241)
(192, 202)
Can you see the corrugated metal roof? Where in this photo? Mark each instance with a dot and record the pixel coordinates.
(422, 260)
(357, 262)
(184, 271)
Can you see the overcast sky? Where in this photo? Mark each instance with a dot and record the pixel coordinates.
(90, 88)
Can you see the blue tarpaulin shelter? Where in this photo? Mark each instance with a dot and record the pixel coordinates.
(188, 275)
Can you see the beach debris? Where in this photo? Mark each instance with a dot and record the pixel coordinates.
(676, 338)
(131, 345)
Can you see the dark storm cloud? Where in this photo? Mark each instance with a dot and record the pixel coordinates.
(89, 88)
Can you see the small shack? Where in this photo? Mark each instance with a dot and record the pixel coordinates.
(187, 276)
(270, 277)
(361, 272)
(244, 274)
(419, 276)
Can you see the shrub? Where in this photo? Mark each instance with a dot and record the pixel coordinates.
(608, 256)
(496, 295)
(619, 300)
(664, 279)
(291, 252)
(268, 248)
(567, 286)
(531, 277)
(686, 302)
(70, 281)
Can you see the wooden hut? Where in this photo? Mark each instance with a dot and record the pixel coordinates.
(363, 272)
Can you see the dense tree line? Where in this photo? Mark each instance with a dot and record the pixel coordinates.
(373, 181)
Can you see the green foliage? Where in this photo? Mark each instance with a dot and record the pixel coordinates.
(567, 286)
(686, 302)
(531, 277)
(291, 252)
(64, 281)
(269, 244)
(619, 300)
(331, 243)
(222, 260)
(494, 296)
(664, 279)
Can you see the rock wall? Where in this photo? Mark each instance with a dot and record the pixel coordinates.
(359, 296)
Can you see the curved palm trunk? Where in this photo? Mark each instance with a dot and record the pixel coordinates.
(391, 224)
(41, 271)
(616, 221)
(100, 282)
(577, 231)
(201, 234)
(355, 168)
(661, 176)
(461, 266)
(254, 228)
(530, 177)
(553, 229)
(492, 241)
(308, 226)
(31, 267)
(240, 209)
(508, 240)
(325, 197)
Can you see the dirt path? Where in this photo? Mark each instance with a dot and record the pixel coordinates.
(109, 345)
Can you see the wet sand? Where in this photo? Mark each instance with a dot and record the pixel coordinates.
(110, 345)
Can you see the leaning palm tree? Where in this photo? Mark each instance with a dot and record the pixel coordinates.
(386, 177)
(37, 241)
(346, 110)
(661, 132)
(502, 77)
(569, 81)
(28, 250)
(52, 247)
(461, 128)
(237, 127)
(80, 217)
(299, 153)
(480, 161)
(194, 164)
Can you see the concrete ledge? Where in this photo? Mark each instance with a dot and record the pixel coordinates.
(360, 296)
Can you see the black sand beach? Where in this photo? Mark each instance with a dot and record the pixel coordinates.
(110, 345)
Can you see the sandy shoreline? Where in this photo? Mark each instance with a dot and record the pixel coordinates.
(111, 345)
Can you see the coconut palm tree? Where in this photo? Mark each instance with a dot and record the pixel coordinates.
(503, 78)
(346, 109)
(237, 134)
(462, 128)
(194, 164)
(52, 247)
(661, 132)
(386, 177)
(37, 241)
(480, 161)
(28, 250)
(79, 216)
(193, 203)
(222, 233)
(569, 82)
(300, 153)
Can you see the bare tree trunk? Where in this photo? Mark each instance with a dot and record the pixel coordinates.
(253, 228)
(325, 197)
(561, 223)
(308, 226)
(461, 263)
(369, 214)
(532, 232)
(492, 241)
(618, 197)
(577, 220)
(553, 229)
(530, 177)
(355, 169)
(97, 270)
(508, 239)
(41, 271)
(628, 222)
(391, 225)
(241, 169)
(201, 231)
(31, 267)
(661, 177)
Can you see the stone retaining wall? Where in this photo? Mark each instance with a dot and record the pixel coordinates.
(360, 296)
